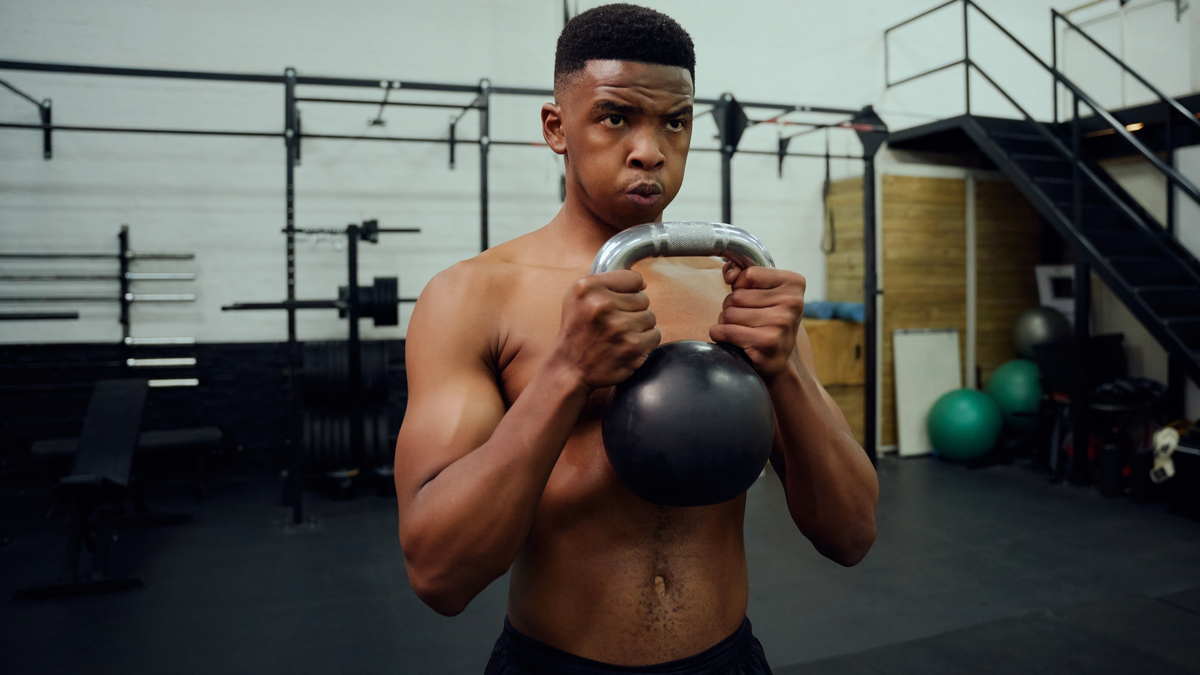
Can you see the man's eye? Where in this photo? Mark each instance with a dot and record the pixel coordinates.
(614, 120)
(676, 125)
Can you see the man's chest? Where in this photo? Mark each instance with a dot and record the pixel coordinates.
(686, 302)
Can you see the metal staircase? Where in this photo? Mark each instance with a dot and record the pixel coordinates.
(1049, 161)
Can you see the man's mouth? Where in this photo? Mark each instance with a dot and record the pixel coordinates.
(644, 194)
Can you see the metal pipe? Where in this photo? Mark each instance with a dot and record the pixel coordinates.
(174, 383)
(409, 104)
(927, 72)
(158, 341)
(400, 139)
(8, 64)
(182, 362)
(131, 276)
(1054, 61)
(20, 93)
(871, 294)
(38, 316)
(485, 99)
(727, 184)
(160, 297)
(140, 130)
(967, 51)
(919, 16)
(125, 296)
(674, 238)
(290, 159)
(375, 84)
(354, 347)
(1081, 473)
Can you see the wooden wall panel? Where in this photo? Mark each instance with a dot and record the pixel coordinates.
(844, 265)
(924, 271)
(1007, 229)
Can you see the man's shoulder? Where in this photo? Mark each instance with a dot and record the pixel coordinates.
(478, 281)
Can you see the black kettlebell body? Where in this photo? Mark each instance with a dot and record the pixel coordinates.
(692, 426)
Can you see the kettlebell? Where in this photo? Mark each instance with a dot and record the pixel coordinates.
(693, 425)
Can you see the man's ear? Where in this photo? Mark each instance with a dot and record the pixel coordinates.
(552, 128)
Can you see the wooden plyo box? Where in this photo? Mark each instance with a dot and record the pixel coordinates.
(838, 348)
(840, 355)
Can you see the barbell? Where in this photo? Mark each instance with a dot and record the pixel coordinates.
(378, 301)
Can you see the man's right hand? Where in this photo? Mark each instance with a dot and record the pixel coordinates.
(607, 327)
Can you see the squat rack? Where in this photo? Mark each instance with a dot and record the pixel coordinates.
(728, 113)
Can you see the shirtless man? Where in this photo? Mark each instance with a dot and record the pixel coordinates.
(500, 464)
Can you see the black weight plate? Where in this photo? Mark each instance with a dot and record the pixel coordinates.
(345, 458)
(314, 422)
(374, 360)
(325, 442)
(306, 438)
(370, 444)
(387, 444)
(387, 301)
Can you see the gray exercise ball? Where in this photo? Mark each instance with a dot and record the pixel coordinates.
(1039, 325)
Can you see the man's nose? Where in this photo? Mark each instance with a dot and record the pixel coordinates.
(645, 153)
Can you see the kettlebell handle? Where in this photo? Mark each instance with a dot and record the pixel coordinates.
(656, 240)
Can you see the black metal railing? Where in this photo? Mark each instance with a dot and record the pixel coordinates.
(1175, 180)
(1171, 107)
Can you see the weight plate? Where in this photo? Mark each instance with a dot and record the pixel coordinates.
(323, 429)
(370, 444)
(387, 444)
(306, 438)
(345, 459)
(387, 301)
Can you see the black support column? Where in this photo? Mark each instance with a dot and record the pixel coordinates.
(731, 122)
(872, 132)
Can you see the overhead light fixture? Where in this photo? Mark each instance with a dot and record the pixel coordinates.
(1136, 126)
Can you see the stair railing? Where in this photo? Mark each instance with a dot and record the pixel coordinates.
(1174, 178)
(1173, 107)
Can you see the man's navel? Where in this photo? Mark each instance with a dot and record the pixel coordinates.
(660, 586)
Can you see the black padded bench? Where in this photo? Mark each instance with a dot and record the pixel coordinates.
(196, 441)
(96, 489)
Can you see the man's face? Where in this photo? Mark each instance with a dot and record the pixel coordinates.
(625, 131)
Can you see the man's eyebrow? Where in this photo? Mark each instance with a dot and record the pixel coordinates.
(614, 107)
(685, 111)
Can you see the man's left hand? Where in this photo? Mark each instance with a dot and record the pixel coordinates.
(762, 315)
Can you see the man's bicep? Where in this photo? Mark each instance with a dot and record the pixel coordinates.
(454, 403)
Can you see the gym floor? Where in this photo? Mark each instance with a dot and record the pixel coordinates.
(985, 571)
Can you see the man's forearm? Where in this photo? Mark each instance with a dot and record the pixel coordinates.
(831, 487)
(466, 524)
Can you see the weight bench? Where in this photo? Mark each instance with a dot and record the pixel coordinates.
(195, 440)
(95, 490)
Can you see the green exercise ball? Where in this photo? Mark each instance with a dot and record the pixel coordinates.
(1016, 388)
(964, 424)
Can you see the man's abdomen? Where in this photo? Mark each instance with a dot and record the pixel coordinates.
(607, 576)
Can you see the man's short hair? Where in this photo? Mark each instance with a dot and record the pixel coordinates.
(622, 32)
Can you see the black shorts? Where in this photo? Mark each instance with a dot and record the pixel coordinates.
(516, 654)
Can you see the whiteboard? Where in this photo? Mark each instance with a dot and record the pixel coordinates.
(927, 366)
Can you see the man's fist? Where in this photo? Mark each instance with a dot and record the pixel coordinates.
(607, 327)
(761, 315)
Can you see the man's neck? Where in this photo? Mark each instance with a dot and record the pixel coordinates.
(579, 233)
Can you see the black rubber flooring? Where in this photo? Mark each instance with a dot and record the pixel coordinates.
(974, 571)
